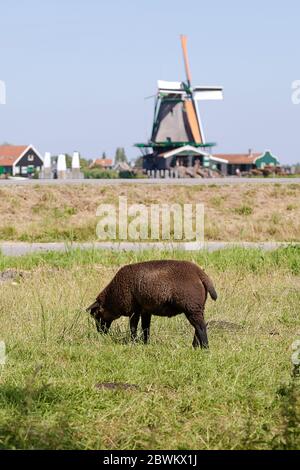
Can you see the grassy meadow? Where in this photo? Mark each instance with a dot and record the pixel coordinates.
(232, 213)
(239, 395)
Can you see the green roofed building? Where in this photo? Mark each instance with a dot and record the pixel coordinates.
(240, 163)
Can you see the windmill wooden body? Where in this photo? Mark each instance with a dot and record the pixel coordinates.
(177, 131)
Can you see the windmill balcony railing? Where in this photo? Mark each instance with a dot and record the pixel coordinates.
(174, 145)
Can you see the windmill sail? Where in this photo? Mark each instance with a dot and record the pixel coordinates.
(193, 121)
(205, 93)
(186, 59)
(174, 88)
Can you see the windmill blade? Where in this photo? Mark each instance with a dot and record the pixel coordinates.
(186, 59)
(202, 93)
(171, 88)
(193, 120)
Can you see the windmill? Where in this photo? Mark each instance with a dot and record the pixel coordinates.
(177, 123)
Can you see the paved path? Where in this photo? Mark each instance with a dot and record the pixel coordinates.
(183, 181)
(18, 249)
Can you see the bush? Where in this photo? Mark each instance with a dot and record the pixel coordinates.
(126, 174)
(97, 173)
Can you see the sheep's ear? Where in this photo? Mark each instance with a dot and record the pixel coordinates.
(93, 306)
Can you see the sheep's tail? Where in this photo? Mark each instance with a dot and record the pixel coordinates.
(208, 285)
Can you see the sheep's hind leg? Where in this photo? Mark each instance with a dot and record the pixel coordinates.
(146, 322)
(134, 321)
(197, 321)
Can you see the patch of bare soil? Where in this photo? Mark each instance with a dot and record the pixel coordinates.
(10, 275)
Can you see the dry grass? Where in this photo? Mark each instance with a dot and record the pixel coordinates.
(232, 213)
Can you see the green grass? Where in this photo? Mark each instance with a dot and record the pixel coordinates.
(238, 395)
(243, 260)
(244, 210)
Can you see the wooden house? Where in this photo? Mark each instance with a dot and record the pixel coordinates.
(19, 160)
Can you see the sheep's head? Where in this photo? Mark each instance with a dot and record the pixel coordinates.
(95, 310)
(101, 316)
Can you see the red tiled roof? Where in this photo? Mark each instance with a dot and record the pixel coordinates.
(102, 162)
(7, 161)
(10, 153)
(239, 158)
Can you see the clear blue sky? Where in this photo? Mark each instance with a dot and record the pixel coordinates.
(77, 71)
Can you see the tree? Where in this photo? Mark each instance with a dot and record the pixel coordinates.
(120, 155)
(84, 163)
(104, 155)
(68, 160)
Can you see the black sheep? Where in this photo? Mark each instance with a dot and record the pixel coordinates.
(163, 288)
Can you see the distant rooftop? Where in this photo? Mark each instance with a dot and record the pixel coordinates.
(239, 158)
(102, 162)
(10, 153)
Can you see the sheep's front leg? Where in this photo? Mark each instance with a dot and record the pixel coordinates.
(196, 343)
(197, 321)
(146, 322)
(134, 321)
